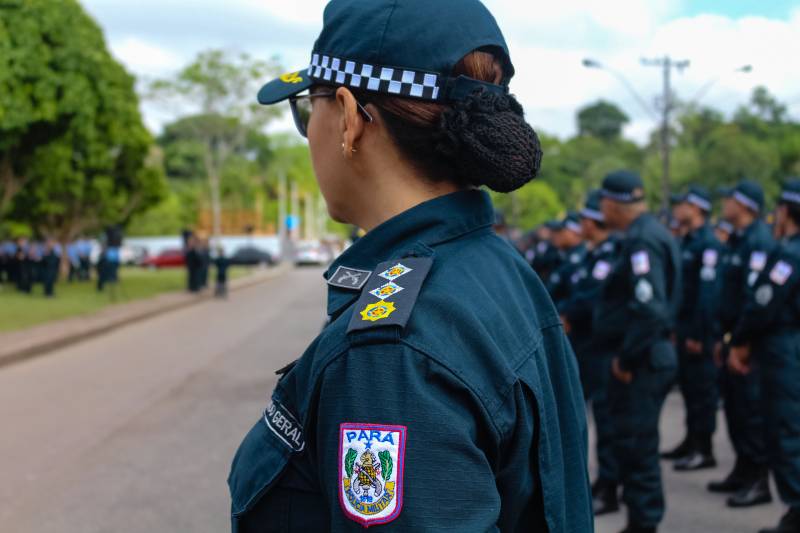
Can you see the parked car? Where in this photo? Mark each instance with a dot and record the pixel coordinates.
(166, 259)
(251, 256)
(132, 255)
(312, 253)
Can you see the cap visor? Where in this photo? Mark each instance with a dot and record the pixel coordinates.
(283, 87)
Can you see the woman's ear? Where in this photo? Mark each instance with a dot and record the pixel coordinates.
(351, 124)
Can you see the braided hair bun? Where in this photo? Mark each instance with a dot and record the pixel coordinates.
(486, 138)
(482, 139)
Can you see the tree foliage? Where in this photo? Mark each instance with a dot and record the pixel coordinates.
(74, 152)
(219, 87)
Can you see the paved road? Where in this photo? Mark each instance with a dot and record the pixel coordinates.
(134, 431)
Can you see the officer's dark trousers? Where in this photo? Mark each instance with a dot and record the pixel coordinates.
(635, 409)
(780, 373)
(595, 370)
(745, 418)
(698, 378)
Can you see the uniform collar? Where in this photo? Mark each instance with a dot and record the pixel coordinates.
(412, 233)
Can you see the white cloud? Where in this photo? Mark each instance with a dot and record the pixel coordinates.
(145, 58)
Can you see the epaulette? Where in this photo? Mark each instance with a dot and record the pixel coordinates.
(389, 295)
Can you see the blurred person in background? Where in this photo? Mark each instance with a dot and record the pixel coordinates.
(769, 328)
(595, 355)
(221, 262)
(50, 262)
(743, 260)
(695, 336)
(639, 304)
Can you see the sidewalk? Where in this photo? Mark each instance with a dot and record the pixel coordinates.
(22, 344)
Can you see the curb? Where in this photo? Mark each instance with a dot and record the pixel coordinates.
(24, 344)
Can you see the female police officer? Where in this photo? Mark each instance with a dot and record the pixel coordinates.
(442, 394)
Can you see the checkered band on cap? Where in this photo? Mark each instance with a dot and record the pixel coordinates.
(746, 201)
(790, 196)
(388, 80)
(699, 201)
(593, 214)
(621, 196)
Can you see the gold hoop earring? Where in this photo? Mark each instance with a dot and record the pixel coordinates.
(352, 150)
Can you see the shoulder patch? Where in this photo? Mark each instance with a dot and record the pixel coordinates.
(640, 262)
(284, 425)
(780, 273)
(601, 270)
(710, 257)
(371, 466)
(349, 278)
(644, 291)
(390, 294)
(764, 295)
(758, 260)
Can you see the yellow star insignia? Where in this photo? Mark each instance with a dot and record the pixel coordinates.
(377, 311)
(292, 77)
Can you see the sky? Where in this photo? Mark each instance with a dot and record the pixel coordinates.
(547, 41)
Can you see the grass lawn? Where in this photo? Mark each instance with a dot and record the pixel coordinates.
(18, 310)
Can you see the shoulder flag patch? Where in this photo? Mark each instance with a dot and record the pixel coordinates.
(758, 260)
(390, 294)
(349, 278)
(780, 273)
(710, 256)
(640, 262)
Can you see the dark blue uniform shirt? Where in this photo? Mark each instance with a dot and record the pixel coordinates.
(774, 303)
(642, 294)
(700, 257)
(744, 258)
(453, 404)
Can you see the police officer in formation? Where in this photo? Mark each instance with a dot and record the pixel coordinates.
(443, 393)
(639, 304)
(729, 302)
(593, 351)
(767, 336)
(744, 259)
(695, 340)
(568, 239)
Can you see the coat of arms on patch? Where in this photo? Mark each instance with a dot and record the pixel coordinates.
(395, 272)
(377, 311)
(386, 290)
(371, 472)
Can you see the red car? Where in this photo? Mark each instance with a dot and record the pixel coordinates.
(166, 259)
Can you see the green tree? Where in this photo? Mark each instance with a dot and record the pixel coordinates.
(529, 206)
(603, 120)
(220, 87)
(74, 152)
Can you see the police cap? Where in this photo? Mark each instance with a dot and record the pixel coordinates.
(405, 48)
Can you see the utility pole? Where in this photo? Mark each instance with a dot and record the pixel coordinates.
(282, 212)
(667, 104)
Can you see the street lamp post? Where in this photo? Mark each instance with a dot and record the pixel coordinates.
(667, 105)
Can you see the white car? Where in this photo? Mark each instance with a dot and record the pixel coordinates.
(312, 253)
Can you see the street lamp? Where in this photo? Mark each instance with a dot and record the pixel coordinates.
(593, 63)
(744, 69)
(667, 104)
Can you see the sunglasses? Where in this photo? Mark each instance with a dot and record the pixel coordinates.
(301, 109)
